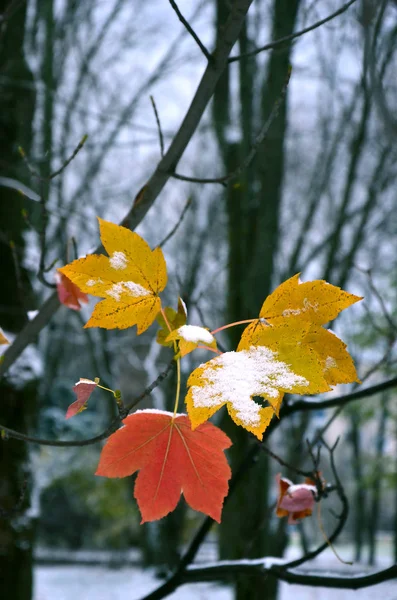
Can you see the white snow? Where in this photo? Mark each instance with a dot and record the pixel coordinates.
(183, 305)
(236, 376)
(291, 311)
(92, 282)
(307, 305)
(193, 333)
(156, 411)
(127, 287)
(118, 261)
(82, 380)
(330, 363)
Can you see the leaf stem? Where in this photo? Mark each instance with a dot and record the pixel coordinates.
(178, 366)
(210, 349)
(232, 325)
(178, 383)
(107, 389)
(166, 321)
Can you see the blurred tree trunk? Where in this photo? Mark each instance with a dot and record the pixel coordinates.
(360, 496)
(373, 522)
(18, 403)
(253, 209)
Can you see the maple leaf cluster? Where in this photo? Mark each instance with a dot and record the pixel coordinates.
(286, 349)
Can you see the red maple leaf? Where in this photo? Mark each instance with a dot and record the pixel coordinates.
(68, 293)
(171, 459)
(83, 390)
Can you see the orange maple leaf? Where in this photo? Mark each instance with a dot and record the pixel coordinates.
(3, 339)
(171, 459)
(69, 293)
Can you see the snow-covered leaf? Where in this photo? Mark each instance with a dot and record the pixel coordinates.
(190, 337)
(235, 378)
(295, 501)
(315, 301)
(83, 390)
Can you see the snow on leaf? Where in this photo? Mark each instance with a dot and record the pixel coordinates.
(175, 319)
(234, 378)
(129, 279)
(171, 459)
(83, 390)
(69, 293)
(315, 301)
(308, 349)
(3, 339)
(295, 501)
(190, 337)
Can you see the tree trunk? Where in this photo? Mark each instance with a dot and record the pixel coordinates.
(17, 403)
(373, 522)
(253, 208)
(359, 492)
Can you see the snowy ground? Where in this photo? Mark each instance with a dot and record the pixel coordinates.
(132, 583)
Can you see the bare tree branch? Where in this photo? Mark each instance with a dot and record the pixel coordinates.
(288, 38)
(190, 29)
(254, 148)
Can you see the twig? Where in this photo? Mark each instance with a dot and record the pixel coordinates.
(374, 290)
(71, 157)
(111, 428)
(177, 224)
(43, 237)
(254, 148)
(288, 38)
(160, 132)
(191, 31)
(18, 277)
(283, 463)
(305, 404)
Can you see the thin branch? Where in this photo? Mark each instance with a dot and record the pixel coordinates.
(71, 157)
(177, 224)
(282, 462)
(305, 404)
(111, 428)
(288, 38)
(222, 569)
(191, 31)
(254, 148)
(160, 132)
(18, 277)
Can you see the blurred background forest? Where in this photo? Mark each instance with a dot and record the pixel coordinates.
(319, 198)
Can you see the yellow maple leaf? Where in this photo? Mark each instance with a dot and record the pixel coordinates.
(307, 349)
(285, 350)
(315, 301)
(129, 279)
(175, 319)
(3, 339)
(190, 337)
